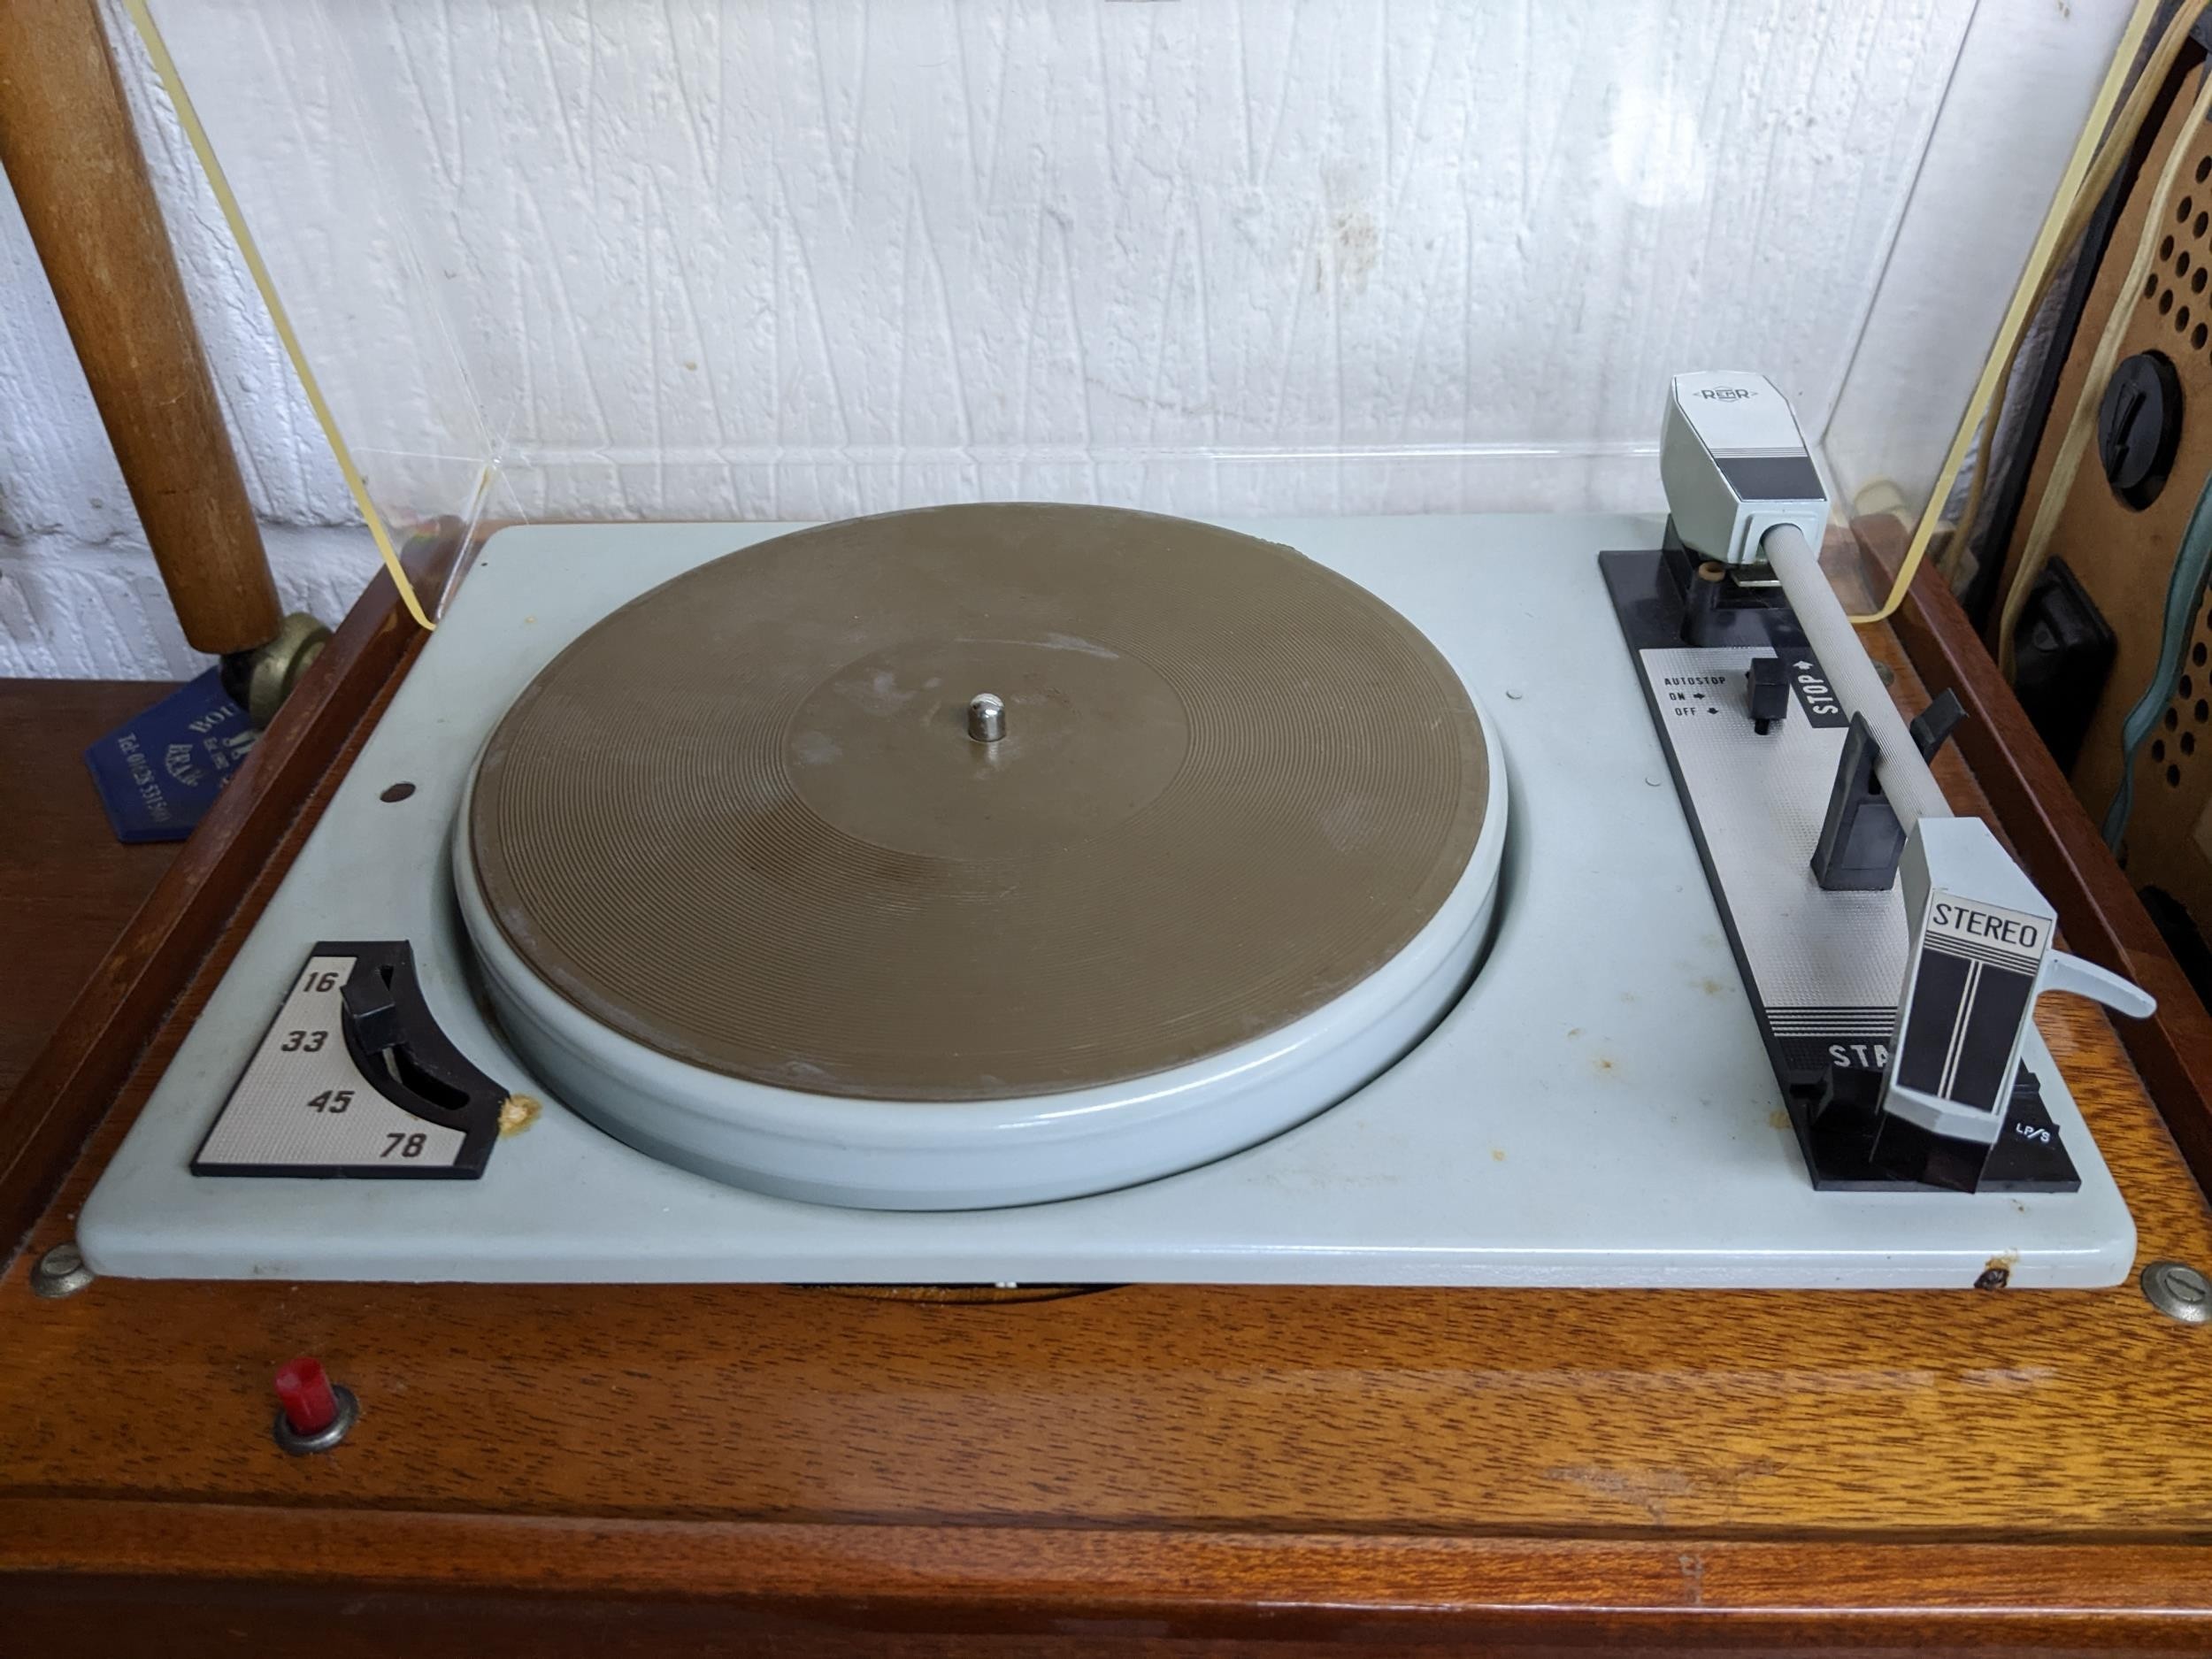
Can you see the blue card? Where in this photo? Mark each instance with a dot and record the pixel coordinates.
(158, 773)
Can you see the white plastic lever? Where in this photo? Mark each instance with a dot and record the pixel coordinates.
(2064, 972)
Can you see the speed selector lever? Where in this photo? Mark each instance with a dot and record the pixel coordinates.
(355, 1077)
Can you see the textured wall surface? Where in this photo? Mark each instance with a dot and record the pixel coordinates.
(807, 256)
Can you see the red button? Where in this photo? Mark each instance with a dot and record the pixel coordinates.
(303, 1391)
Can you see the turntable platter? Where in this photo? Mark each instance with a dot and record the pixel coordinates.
(978, 803)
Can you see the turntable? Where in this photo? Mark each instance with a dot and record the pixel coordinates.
(1021, 893)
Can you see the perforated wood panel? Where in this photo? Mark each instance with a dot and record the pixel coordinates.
(2173, 751)
(2124, 555)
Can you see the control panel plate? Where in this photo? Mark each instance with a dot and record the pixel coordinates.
(1824, 969)
(321, 1098)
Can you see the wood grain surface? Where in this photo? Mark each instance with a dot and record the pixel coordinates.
(717, 1468)
(66, 885)
(45, 1120)
(618, 1587)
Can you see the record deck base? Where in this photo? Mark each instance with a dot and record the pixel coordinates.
(1598, 1109)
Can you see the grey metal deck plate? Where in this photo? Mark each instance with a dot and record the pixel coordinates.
(1598, 1110)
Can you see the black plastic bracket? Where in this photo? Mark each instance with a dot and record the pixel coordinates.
(2065, 650)
(1851, 1145)
(1933, 727)
(1717, 609)
(1861, 840)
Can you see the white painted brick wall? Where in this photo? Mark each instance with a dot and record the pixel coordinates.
(802, 257)
(79, 593)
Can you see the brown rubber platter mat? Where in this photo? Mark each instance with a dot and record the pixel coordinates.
(742, 821)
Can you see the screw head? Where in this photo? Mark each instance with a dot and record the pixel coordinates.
(61, 1271)
(2179, 1292)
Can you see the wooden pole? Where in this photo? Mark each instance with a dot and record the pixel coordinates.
(73, 157)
